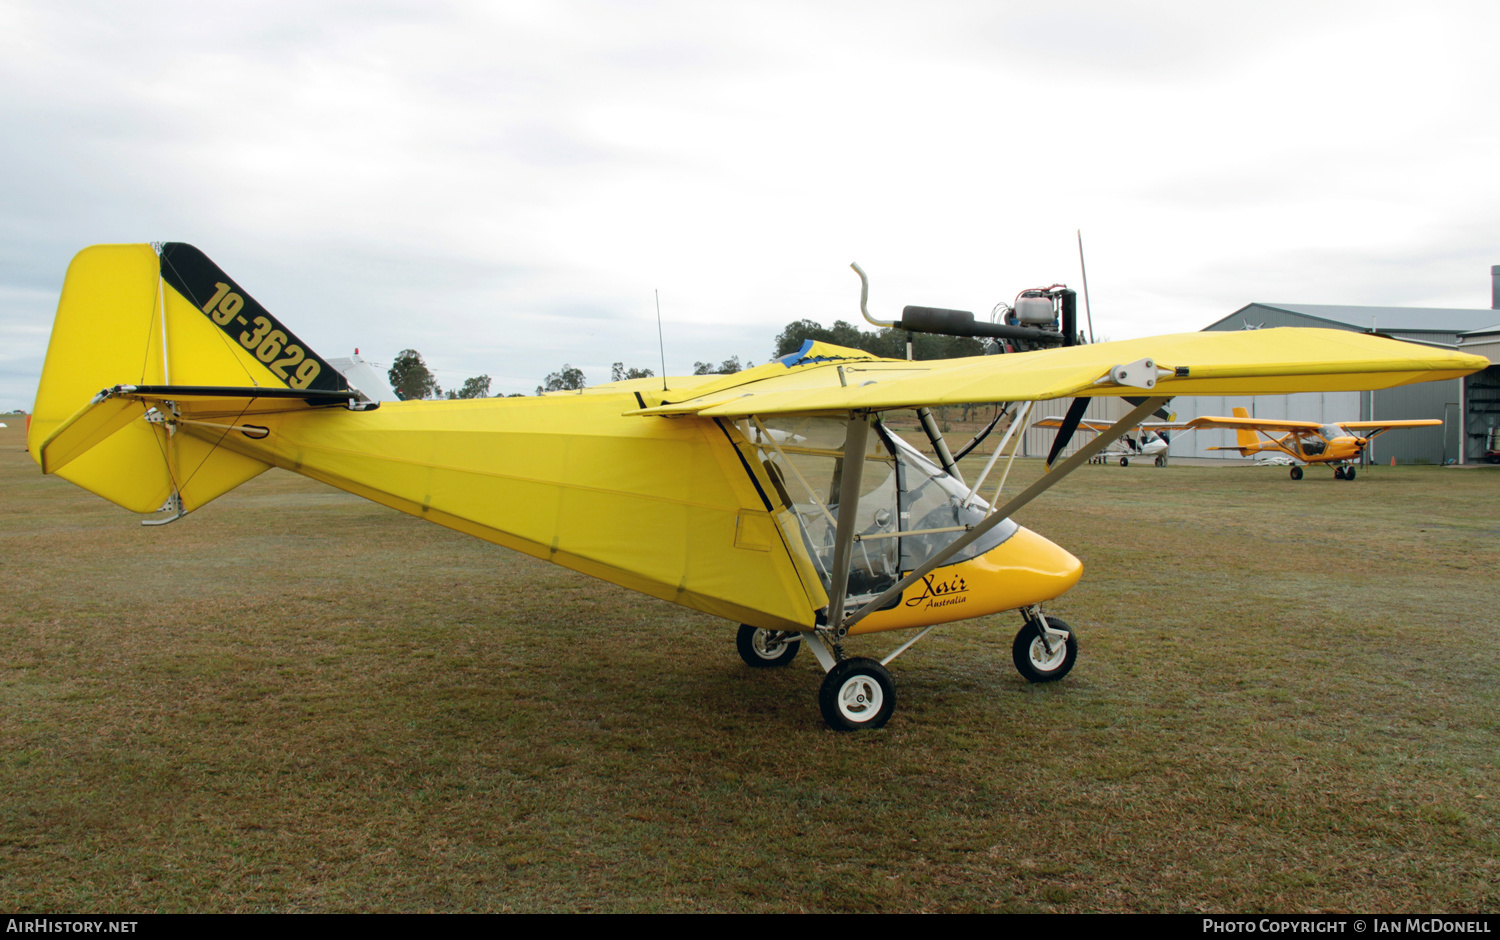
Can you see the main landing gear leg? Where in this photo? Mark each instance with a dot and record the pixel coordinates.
(857, 693)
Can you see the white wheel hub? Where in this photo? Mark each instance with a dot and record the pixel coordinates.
(860, 698)
(759, 642)
(1045, 661)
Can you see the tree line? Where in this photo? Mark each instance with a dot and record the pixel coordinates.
(412, 379)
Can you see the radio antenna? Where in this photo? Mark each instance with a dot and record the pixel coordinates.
(659, 340)
(1088, 311)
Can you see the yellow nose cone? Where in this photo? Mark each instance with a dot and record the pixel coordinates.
(1025, 569)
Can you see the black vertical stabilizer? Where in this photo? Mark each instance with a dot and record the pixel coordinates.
(205, 285)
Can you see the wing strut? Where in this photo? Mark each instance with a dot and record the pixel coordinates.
(850, 475)
(844, 538)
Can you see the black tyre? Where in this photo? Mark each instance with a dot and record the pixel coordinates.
(761, 649)
(1296, 473)
(1348, 473)
(1032, 659)
(857, 694)
(1338, 473)
(1124, 461)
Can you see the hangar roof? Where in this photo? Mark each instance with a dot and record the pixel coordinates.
(1397, 319)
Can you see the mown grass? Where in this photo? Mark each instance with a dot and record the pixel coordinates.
(295, 700)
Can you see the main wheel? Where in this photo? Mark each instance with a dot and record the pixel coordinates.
(1124, 461)
(1296, 473)
(1032, 659)
(856, 694)
(761, 648)
(1348, 473)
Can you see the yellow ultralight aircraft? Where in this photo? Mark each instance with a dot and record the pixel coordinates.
(776, 498)
(1339, 444)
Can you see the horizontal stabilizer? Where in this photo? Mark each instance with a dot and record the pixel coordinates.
(92, 423)
(236, 393)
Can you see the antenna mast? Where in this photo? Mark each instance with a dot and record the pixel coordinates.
(659, 341)
(1088, 311)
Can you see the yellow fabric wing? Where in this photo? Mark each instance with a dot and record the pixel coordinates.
(1251, 424)
(1255, 362)
(1388, 425)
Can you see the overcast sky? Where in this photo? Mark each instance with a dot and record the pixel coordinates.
(502, 186)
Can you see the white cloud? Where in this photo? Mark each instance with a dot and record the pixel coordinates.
(502, 187)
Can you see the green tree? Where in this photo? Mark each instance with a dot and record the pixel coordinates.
(477, 387)
(618, 373)
(568, 378)
(728, 367)
(410, 377)
(886, 342)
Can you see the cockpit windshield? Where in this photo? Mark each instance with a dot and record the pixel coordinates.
(1331, 431)
(909, 508)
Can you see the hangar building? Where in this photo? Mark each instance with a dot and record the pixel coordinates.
(1469, 407)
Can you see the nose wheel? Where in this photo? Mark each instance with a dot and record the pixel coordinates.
(1044, 658)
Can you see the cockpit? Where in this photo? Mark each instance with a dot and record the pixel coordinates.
(1314, 444)
(909, 507)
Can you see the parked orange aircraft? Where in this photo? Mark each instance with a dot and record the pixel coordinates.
(1339, 444)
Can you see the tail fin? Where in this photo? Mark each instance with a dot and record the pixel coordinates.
(131, 316)
(1244, 437)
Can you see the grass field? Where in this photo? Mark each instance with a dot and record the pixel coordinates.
(295, 700)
